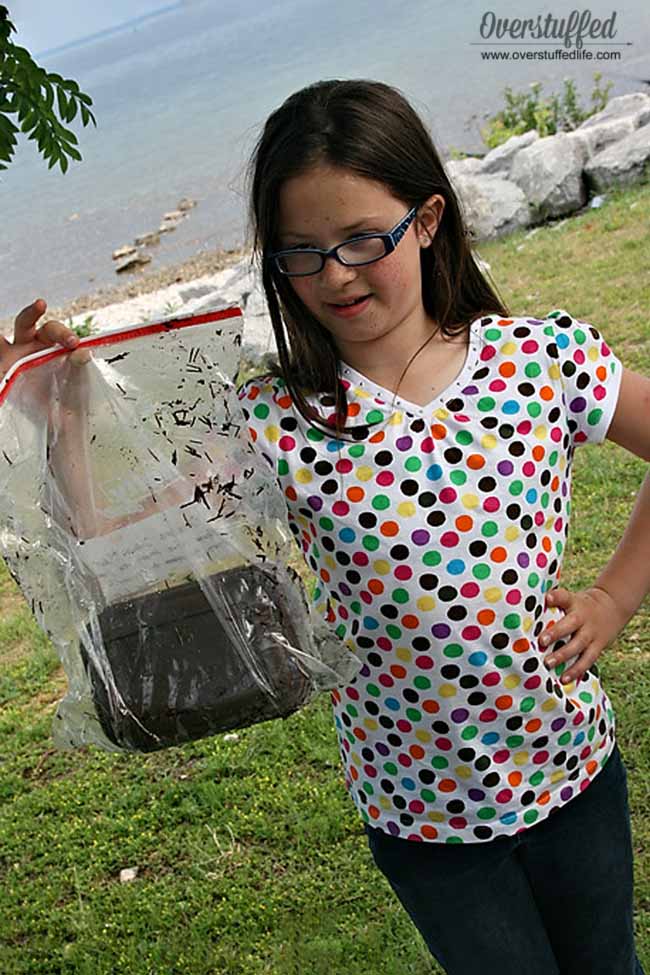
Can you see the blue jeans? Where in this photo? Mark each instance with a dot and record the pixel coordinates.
(555, 899)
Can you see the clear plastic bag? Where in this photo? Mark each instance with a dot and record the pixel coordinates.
(152, 542)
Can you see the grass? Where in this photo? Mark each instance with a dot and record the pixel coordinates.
(251, 859)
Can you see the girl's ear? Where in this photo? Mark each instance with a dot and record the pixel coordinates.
(428, 218)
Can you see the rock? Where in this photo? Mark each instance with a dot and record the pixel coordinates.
(128, 874)
(491, 206)
(636, 104)
(241, 284)
(146, 240)
(622, 163)
(462, 167)
(186, 203)
(133, 262)
(192, 292)
(171, 220)
(500, 160)
(550, 174)
(125, 251)
(600, 136)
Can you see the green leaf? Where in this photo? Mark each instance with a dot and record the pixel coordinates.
(67, 136)
(7, 127)
(86, 99)
(85, 114)
(6, 151)
(30, 121)
(62, 103)
(64, 163)
(22, 55)
(74, 154)
(23, 107)
(49, 96)
(72, 110)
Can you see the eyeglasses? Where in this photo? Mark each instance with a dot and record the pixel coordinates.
(365, 249)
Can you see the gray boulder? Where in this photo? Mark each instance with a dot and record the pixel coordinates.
(491, 206)
(462, 167)
(549, 172)
(500, 160)
(598, 137)
(622, 163)
(636, 104)
(241, 285)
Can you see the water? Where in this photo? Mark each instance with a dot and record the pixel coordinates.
(180, 100)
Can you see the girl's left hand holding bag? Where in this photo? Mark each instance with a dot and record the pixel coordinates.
(592, 619)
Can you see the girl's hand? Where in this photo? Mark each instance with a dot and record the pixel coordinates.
(593, 619)
(28, 338)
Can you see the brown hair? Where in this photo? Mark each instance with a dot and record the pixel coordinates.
(370, 128)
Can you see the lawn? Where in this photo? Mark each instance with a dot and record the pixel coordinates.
(251, 858)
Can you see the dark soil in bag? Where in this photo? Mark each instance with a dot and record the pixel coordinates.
(177, 672)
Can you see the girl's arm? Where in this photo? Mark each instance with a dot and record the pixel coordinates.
(71, 469)
(68, 450)
(593, 618)
(626, 577)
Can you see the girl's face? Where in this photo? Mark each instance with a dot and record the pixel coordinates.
(323, 207)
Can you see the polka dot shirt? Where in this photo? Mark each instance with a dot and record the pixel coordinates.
(434, 537)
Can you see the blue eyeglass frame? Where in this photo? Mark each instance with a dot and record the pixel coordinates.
(391, 239)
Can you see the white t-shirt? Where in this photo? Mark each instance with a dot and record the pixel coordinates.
(435, 537)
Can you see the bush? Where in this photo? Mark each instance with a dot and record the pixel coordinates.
(557, 113)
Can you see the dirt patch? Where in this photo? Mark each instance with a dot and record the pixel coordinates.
(11, 602)
(14, 653)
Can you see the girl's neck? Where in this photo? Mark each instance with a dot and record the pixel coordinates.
(383, 360)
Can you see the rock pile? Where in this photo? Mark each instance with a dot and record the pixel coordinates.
(130, 257)
(529, 179)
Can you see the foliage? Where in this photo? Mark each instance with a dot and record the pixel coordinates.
(84, 329)
(29, 92)
(557, 113)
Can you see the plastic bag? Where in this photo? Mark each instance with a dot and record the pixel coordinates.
(152, 542)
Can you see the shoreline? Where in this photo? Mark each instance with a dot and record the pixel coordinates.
(137, 283)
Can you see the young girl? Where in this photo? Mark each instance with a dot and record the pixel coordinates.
(423, 439)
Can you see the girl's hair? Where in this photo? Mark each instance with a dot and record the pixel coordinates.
(371, 129)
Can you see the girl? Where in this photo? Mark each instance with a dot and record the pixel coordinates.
(423, 439)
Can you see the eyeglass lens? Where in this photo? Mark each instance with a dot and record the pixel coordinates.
(359, 252)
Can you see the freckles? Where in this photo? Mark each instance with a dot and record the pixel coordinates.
(396, 271)
(386, 272)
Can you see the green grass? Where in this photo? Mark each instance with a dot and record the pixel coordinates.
(251, 857)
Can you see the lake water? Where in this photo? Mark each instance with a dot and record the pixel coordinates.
(180, 100)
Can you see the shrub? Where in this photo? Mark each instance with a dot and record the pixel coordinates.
(557, 113)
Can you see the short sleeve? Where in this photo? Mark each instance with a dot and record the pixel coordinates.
(591, 375)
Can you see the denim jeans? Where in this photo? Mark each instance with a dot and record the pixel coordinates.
(555, 899)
